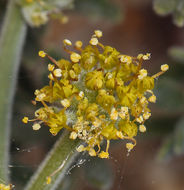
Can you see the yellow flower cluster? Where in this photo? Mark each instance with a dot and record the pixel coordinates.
(5, 187)
(99, 94)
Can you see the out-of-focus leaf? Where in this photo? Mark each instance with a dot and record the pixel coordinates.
(98, 8)
(174, 7)
(166, 150)
(99, 174)
(177, 53)
(173, 144)
(169, 94)
(179, 14)
(164, 7)
(37, 13)
(179, 138)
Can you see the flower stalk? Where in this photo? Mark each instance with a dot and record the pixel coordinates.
(54, 167)
(11, 44)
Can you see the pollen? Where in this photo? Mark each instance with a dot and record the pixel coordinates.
(36, 126)
(81, 94)
(98, 33)
(146, 57)
(152, 99)
(114, 114)
(164, 67)
(103, 154)
(57, 72)
(67, 42)
(129, 146)
(142, 128)
(65, 103)
(93, 41)
(142, 73)
(50, 67)
(50, 76)
(73, 135)
(146, 115)
(119, 134)
(42, 54)
(92, 152)
(75, 57)
(78, 44)
(25, 120)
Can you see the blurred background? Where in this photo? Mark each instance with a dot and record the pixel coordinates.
(132, 27)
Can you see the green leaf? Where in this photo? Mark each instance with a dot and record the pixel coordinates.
(178, 144)
(164, 7)
(173, 145)
(169, 94)
(177, 53)
(98, 8)
(99, 174)
(179, 14)
(166, 150)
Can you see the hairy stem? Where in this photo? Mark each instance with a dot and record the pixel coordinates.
(57, 162)
(11, 44)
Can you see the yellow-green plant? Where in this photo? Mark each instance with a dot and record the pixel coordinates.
(99, 94)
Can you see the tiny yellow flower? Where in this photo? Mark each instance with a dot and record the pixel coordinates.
(25, 120)
(114, 114)
(81, 94)
(92, 152)
(164, 67)
(140, 56)
(146, 115)
(50, 76)
(142, 73)
(42, 54)
(75, 57)
(67, 42)
(78, 44)
(65, 103)
(146, 57)
(152, 99)
(93, 41)
(57, 72)
(129, 146)
(36, 126)
(103, 154)
(142, 128)
(119, 134)
(51, 67)
(98, 33)
(73, 135)
(140, 119)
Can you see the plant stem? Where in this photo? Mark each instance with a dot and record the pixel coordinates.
(11, 44)
(61, 156)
